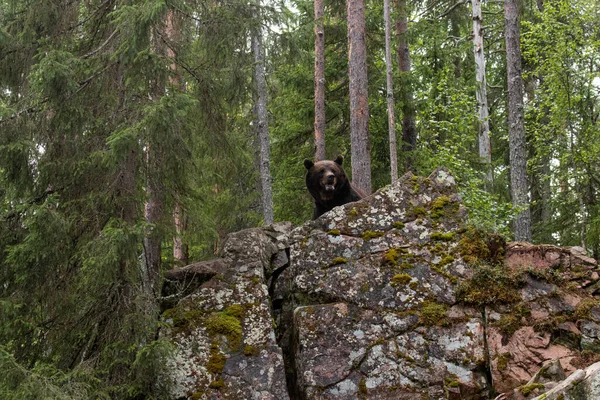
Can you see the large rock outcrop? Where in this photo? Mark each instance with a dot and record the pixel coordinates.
(391, 297)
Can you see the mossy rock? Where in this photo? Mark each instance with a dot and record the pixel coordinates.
(216, 361)
(526, 390)
(368, 235)
(443, 236)
(338, 260)
(442, 206)
(490, 284)
(399, 225)
(250, 351)
(503, 359)
(227, 323)
(584, 308)
(217, 384)
(401, 279)
(433, 313)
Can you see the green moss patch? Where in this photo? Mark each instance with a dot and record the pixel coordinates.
(399, 225)
(401, 279)
(216, 361)
(334, 232)
(443, 236)
(503, 360)
(368, 235)
(250, 351)
(338, 260)
(227, 323)
(490, 285)
(476, 247)
(433, 313)
(418, 212)
(511, 322)
(526, 390)
(442, 206)
(392, 256)
(584, 308)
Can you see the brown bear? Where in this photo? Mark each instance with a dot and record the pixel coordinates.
(329, 186)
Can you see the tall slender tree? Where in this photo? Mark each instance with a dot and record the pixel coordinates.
(359, 102)
(409, 130)
(516, 123)
(390, 94)
(319, 81)
(485, 151)
(261, 121)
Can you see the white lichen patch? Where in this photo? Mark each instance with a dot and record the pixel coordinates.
(344, 388)
(463, 374)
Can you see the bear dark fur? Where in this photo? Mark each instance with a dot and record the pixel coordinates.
(328, 185)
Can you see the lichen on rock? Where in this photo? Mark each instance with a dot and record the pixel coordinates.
(390, 297)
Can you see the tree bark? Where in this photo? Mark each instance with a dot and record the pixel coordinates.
(359, 103)
(180, 249)
(516, 128)
(390, 94)
(409, 130)
(485, 152)
(261, 123)
(319, 81)
(153, 211)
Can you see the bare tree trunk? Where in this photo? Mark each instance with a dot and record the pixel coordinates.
(319, 82)
(485, 152)
(516, 129)
(390, 94)
(262, 123)
(153, 211)
(180, 249)
(359, 101)
(409, 130)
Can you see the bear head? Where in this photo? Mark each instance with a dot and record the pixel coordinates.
(324, 179)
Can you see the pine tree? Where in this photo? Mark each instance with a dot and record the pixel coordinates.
(319, 81)
(359, 105)
(390, 94)
(516, 130)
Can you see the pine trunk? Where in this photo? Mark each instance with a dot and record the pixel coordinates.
(319, 81)
(359, 103)
(153, 211)
(180, 249)
(409, 130)
(390, 94)
(262, 125)
(485, 152)
(516, 129)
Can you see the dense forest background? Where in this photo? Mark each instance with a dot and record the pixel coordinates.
(128, 145)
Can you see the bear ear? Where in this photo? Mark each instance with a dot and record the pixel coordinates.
(339, 159)
(308, 164)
